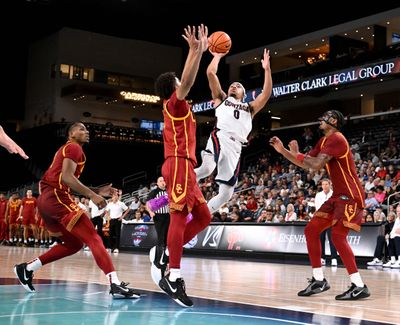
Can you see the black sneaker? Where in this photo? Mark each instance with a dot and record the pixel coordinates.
(176, 290)
(354, 293)
(24, 276)
(122, 290)
(314, 287)
(159, 262)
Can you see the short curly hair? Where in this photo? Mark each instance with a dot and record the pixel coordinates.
(165, 84)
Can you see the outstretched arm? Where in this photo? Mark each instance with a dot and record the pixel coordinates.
(10, 144)
(260, 101)
(297, 158)
(215, 86)
(197, 46)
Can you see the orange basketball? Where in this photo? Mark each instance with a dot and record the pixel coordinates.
(219, 42)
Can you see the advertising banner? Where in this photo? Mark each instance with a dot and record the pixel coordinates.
(250, 238)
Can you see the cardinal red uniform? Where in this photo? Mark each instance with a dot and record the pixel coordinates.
(55, 202)
(178, 171)
(347, 200)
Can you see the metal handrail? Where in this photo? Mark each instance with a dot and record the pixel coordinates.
(388, 203)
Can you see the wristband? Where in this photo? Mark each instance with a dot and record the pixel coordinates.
(300, 157)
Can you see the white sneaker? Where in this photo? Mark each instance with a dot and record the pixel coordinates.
(388, 264)
(396, 265)
(334, 262)
(323, 262)
(375, 262)
(116, 251)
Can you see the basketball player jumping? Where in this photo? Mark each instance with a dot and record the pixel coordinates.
(234, 124)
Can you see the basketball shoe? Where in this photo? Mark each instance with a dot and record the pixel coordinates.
(176, 290)
(122, 291)
(354, 293)
(159, 258)
(314, 287)
(24, 276)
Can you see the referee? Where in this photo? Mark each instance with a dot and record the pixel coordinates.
(160, 216)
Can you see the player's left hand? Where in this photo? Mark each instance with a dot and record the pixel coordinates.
(277, 144)
(107, 190)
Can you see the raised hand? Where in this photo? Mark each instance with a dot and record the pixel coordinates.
(199, 43)
(277, 144)
(107, 190)
(294, 147)
(265, 60)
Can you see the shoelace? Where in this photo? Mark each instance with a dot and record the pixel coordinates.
(182, 284)
(350, 288)
(124, 284)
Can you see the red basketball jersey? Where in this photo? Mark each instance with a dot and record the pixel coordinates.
(179, 129)
(53, 176)
(341, 168)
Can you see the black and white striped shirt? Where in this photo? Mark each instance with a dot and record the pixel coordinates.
(157, 192)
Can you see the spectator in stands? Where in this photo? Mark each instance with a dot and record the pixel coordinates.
(10, 144)
(369, 185)
(381, 249)
(380, 195)
(63, 217)
(394, 243)
(342, 211)
(135, 204)
(370, 202)
(320, 198)
(138, 217)
(233, 126)
(245, 214)
(290, 213)
(356, 155)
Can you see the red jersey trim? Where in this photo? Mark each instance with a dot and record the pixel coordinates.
(183, 118)
(175, 118)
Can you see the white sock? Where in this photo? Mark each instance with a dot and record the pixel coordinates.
(113, 278)
(174, 274)
(393, 259)
(34, 265)
(318, 274)
(356, 279)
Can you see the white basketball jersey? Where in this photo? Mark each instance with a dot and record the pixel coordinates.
(234, 117)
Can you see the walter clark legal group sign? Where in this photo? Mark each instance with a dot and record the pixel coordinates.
(366, 72)
(338, 78)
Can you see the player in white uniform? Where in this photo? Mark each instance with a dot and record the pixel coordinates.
(234, 123)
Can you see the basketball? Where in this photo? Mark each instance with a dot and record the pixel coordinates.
(219, 42)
